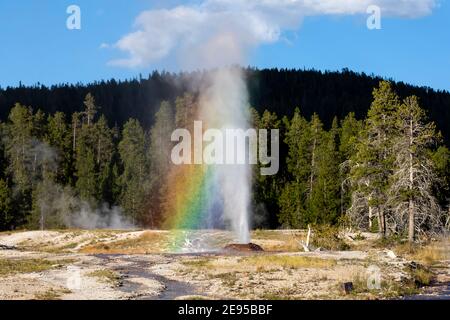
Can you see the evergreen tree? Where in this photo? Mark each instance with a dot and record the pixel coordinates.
(3, 160)
(134, 179)
(87, 156)
(86, 184)
(293, 209)
(104, 151)
(76, 123)
(19, 142)
(351, 128)
(441, 161)
(94, 154)
(184, 110)
(317, 137)
(325, 198)
(267, 189)
(159, 153)
(6, 206)
(90, 109)
(19, 134)
(59, 137)
(410, 192)
(160, 133)
(39, 124)
(372, 163)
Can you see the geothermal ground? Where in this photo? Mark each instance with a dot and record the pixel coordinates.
(138, 265)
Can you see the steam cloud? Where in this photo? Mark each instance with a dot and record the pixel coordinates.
(102, 218)
(59, 206)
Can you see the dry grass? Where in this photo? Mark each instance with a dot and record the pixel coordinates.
(147, 242)
(197, 263)
(106, 275)
(259, 263)
(279, 240)
(422, 277)
(50, 295)
(13, 266)
(285, 293)
(429, 254)
(228, 279)
(265, 262)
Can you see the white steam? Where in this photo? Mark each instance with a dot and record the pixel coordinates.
(105, 217)
(224, 105)
(59, 206)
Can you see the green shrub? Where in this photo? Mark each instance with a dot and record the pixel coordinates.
(327, 237)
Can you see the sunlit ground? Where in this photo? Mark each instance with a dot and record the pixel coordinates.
(146, 264)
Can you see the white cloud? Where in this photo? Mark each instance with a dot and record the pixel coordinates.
(218, 32)
(104, 46)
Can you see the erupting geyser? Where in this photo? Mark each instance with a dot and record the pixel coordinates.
(224, 105)
(209, 196)
(215, 195)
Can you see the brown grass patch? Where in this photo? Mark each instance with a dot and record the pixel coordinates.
(270, 262)
(147, 242)
(279, 240)
(429, 254)
(106, 275)
(14, 266)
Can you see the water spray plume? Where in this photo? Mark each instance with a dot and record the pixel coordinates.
(205, 196)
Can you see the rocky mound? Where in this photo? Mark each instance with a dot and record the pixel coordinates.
(248, 247)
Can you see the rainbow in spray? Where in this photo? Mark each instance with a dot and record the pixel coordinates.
(212, 196)
(190, 202)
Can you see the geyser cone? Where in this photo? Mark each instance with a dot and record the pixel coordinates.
(248, 247)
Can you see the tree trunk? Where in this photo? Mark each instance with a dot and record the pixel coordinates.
(313, 161)
(381, 222)
(411, 221)
(98, 151)
(380, 227)
(411, 185)
(74, 143)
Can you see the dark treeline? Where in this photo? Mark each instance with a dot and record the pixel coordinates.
(387, 171)
(327, 94)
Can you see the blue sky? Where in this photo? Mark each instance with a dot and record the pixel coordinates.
(37, 47)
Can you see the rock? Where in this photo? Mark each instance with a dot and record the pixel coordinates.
(413, 265)
(391, 254)
(347, 287)
(248, 247)
(5, 247)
